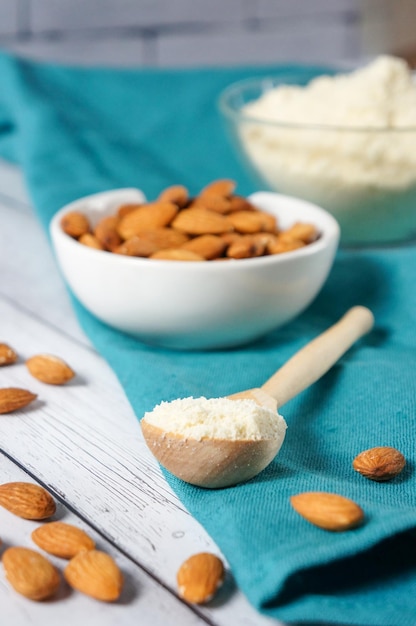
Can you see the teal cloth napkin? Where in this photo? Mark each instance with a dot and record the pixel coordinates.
(78, 131)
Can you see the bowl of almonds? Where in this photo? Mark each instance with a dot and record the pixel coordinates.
(194, 272)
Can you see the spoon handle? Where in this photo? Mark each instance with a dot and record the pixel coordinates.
(318, 356)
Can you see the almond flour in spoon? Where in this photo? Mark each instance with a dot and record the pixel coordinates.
(217, 418)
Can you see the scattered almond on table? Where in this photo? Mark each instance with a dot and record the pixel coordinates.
(200, 577)
(15, 398)
(27, 500)
(62, 540)
(30, 573)
(7, 355)
(329, 511)
(95, 574)
(49, 369)
(217, 224)
(381, 463)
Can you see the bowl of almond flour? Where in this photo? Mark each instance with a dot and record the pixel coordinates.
(345, 141)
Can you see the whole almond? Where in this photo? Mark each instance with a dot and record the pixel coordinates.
(239, 203)
(75, 224)
(221, 187)
(14, 398)
(63, 540)
(164, 238)
(7, 354)
(280, 245)
(106, 232)
(177, 254)
(246, 247)
(178, 194)
(90, 241)
(49, 369)
(380, 463)
(136, 246)
(329, 511)
(304, 232)
(30, 573)
(201, 221)
(146, 217)
(247, 222)
(213, 202)
(207, 246)
(96, 574)
(27, 500)
(199, 577)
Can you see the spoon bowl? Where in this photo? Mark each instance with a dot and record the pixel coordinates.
(213, 463)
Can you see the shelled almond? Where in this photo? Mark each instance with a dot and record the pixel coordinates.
(7, 355)
(199, 577)
(216, 224)
(49, 369)
(61, 539)
(27, 500)
(381, 463)
(95, 574)
(329, 511)
(15, 398)
(30, 573)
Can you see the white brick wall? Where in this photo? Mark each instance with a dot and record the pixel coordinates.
(205, 32)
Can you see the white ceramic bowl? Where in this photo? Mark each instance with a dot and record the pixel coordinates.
(194, 305)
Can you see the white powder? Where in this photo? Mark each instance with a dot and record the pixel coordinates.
(218, 418)
(364, 176)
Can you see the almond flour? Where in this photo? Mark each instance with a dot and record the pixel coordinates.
(217, 418)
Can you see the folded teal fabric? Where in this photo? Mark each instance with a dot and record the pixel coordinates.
(78, 131)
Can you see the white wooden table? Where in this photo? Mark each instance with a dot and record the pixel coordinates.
(83, 443)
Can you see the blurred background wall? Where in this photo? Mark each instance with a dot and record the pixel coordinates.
(207, 32)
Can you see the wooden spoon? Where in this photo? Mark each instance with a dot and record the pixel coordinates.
(215, 463)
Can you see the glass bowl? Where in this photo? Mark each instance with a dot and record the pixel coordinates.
(365, 177)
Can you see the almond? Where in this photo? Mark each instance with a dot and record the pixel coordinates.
(178, 194)
(136, 246)
(177, 254)
(304, 232)
(146, 217)
(106, 232)
(280, 245)
(27, 500)
(30, 573)
(329, 511)
(213, 202)
(49, 369)
(246, 247)
(221, 187)
(13, 398)
(239, 203)
(164, 238)
(7, 354)
(90, 241)
(63, 540)
(247, 222)
(207, 246)
(96, 574)
(127, 208)
(201, 221)
(75, 224)
(380, 463)
(199, 577)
